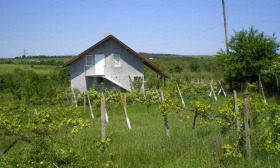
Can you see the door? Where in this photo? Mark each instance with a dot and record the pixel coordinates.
(99, 64)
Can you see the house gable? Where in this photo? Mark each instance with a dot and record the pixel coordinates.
(111, 37)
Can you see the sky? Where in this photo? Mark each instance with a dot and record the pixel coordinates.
(185, 27)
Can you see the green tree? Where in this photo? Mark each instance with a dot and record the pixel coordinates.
(271, 76)
(195, 66)
(249, 52)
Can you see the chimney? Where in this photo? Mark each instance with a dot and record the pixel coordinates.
(106, 34)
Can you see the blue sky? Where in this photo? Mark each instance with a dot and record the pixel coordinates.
(187, 27)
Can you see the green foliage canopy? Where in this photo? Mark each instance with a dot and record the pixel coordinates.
(249, 52)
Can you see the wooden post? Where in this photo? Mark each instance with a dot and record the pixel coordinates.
(55, 165)
(183, 102)
(123, 100)
(236, 109)
(261, 87)
(74, 97)
(162, 97)
(131, 82)
(106, 116)
(103, 118)
(210, 94)
(36, 111)
(90, 108)
(221, 89)
(225, 25)
(158, 81)
(143, 85)
(84, 103)
(165, 118)
(246, 125)
(212, 91)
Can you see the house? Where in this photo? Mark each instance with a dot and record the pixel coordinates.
(111, 63)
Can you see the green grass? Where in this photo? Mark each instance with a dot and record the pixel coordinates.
(8, 68)
(146, 144)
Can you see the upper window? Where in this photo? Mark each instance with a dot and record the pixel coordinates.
(116, 60)
(89, 60)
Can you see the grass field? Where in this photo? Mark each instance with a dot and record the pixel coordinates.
(37, 59)
(43, 69)
(63, 59)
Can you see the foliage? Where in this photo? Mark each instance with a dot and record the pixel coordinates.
(32, 87)
(177, 69)
(268, 140)
(194, 67)
(270, 76)
(249, 53)
(231, 151)
(201, 108)
(151, 98)
(226, 115)
(48, 131)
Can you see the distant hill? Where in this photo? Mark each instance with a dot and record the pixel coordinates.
(43, 56)
(169, 55)
(56, 60)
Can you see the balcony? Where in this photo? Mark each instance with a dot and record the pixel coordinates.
(94, 70)
(89, 70)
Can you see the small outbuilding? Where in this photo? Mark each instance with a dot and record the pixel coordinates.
(111, 64)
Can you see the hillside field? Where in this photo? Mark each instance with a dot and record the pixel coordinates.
(41, 69)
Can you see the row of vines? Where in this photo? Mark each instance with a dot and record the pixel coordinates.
(49, 129)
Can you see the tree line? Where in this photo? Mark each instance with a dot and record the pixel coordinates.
(251, 58)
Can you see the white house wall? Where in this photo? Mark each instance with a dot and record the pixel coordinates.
(78, 80)
(130, 65)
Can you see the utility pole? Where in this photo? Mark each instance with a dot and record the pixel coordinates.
(225, 24)
(24, 53)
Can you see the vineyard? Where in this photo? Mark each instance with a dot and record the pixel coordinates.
(184, 124)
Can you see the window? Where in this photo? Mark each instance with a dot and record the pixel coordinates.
(89, 60)
(116, 60)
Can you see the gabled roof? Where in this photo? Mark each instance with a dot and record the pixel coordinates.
(145, 60)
